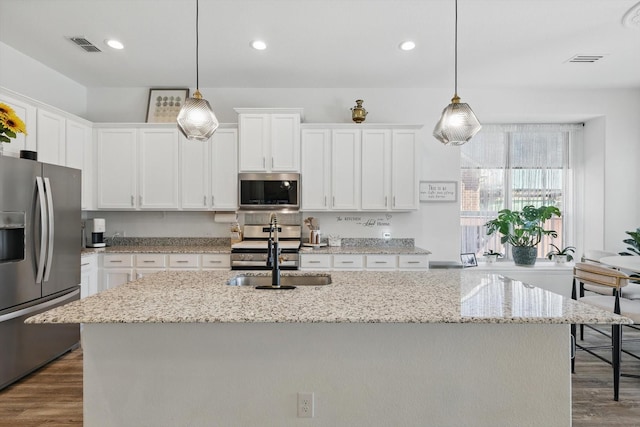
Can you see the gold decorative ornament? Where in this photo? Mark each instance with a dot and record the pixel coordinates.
(358, 113)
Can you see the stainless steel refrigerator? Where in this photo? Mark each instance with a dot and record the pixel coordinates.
(39, 261)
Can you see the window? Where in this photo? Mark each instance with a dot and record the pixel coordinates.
(511, 166)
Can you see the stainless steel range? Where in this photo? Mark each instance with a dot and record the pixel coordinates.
(251, 253)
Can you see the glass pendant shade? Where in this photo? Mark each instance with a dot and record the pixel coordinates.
(457, 125)
(196, 119)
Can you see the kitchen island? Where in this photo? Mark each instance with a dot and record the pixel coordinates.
(432, 348)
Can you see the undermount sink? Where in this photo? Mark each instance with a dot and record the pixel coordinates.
(314, 280)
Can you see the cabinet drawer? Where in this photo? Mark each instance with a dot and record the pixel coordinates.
(315, 261)
(118, 260)
(413, 261)
(150, 260)
(347, 262)
(381, 261)
(216, 261)
(183, 260)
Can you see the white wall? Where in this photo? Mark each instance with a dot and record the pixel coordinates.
(31, 78)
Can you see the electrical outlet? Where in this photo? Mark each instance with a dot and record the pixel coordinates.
(305, 405)
(386, 235)
(120, 233)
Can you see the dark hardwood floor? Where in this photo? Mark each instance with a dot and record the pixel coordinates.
(52, 396)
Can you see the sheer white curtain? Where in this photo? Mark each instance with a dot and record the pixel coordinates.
(511, 166)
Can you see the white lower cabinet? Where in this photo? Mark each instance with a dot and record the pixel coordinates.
(117, 269)
(149, 263)
(359, 262)
(216, 262)
(347, 262)
(88, 275)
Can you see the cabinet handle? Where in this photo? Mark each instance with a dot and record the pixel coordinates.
(413, 262)
(346, 262)
(182, 261)
(132, 200)
(314, 262)
(394, 201)
(381, 262)
(204, 200)
(140, 200)
(325, 201)
(385, 201)
(85, 264)
(213, 200)
(148, 261)
(115, 260)
(333, 204)
(264, 164)
(215, 262)
(271, 162)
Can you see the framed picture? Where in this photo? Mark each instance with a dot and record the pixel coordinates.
(438, 191)
(164, 104)
(468, 260)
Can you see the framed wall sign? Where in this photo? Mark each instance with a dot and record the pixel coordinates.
(438, 191)
(164, 104)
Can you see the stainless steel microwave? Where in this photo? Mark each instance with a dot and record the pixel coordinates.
(273, 191)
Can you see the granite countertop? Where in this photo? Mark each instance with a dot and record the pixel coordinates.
(161, 249)
(441, 296)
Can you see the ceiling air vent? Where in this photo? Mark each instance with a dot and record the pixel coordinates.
(85, 44)
(579, 59)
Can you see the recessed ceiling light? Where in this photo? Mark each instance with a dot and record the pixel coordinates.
(407, 45)
(114, 44)
(258, 45)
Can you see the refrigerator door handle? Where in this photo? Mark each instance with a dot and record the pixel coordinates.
(38, 307)
(43, 228)
(50, 218)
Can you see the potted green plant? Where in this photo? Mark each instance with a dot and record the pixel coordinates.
(523, 230)
(634, 243)
(561, 256)
(491, 256)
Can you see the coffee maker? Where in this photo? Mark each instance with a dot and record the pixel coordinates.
(95, 233)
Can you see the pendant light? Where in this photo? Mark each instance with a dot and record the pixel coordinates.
(458, 123)
(196, 119)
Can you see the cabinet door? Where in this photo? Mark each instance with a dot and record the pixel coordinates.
(316, 169)
(158, 169)
(404, 174)
(195, 173)
(112, 277)
(116, 168)
(345, 169)
(78, 151)
(28, 114)
(285, 143)
(375, 169)
(51, 137)
(224, 169)
(254, 133)
(88, 276)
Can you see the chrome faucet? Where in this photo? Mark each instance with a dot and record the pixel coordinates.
(273, 251)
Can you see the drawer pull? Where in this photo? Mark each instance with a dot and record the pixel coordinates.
(215, 261)
(381, 262)
(314, 262)
(148, 261)
(85, 264)
(180, 261)
(346, 262)
(413, 262)
(115, 260)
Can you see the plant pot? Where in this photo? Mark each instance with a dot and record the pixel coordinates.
(491, 259)
(524, 255)
(560, 259)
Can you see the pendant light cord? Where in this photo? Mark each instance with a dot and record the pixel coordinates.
(198, 49)
(456, 53)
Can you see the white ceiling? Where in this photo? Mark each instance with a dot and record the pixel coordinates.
(330, 43)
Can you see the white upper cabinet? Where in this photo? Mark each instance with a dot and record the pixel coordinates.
(79, 155)
(52, 137)
(345, 169)
(158, 168)
(359, 167)
(376, 156)
(404, 170)
(224, 169)
(194, 194)
(269, 139)
(117, 160)
(316, 168)
(27, 112)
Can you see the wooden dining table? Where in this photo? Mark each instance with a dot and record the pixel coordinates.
(631, 263)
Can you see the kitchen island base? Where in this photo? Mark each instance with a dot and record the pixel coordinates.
(361, 374)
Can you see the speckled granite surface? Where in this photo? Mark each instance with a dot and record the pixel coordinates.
(442, 296)
(395, 250)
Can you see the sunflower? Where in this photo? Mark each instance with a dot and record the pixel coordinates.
(13, 123)
(5, 110)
